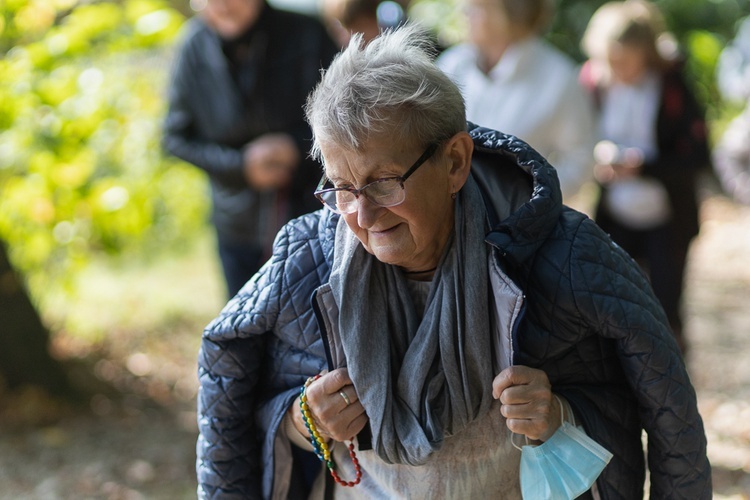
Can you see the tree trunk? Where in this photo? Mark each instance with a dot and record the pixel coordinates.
(24, 340)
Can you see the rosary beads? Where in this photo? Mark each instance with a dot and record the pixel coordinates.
(319, 443)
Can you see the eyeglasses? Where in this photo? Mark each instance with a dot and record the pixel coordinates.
(387, 192)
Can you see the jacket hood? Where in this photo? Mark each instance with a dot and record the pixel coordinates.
(521, 190)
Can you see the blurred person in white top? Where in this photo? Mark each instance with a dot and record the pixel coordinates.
(515, 82)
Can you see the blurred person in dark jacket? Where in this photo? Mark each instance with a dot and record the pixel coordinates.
(238, 87)
(442, 302)
(654, 142)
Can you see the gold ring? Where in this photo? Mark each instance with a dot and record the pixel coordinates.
(346, 398)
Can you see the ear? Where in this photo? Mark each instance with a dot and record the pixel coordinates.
(459, 150)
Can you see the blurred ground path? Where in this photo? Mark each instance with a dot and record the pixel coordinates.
(718, 328)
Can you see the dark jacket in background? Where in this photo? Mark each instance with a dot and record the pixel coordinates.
(590, 321)
(225, 94)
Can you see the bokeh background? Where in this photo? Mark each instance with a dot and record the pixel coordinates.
(107, 265)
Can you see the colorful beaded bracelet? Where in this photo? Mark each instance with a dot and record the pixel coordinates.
(319, 444)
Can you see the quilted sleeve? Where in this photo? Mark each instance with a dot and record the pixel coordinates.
(615, 300)
(229, 363)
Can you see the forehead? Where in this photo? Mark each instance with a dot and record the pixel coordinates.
(378, 157)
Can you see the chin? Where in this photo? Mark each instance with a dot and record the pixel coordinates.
(387, 256)
(228, 29)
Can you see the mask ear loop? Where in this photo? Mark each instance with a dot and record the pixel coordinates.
(513, 441)
(562, 421)
(562, 409)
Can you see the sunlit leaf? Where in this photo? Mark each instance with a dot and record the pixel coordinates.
(76, 172)
(36, 17)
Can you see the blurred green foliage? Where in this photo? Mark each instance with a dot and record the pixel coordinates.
(82, 95)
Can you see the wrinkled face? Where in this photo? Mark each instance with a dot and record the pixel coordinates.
(628, 63)
(231, 18)
(411, 235)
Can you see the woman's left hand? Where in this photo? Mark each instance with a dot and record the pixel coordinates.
(527, 402)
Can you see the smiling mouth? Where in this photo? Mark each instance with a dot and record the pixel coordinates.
(384, 232)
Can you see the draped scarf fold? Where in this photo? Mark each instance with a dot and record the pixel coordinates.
(419, 381)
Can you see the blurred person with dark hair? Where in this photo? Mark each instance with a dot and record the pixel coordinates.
(238, 87)
(368, 17)
(654, 143)
(731, 155)
(516, 82)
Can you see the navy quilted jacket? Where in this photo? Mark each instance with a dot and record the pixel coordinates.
(590, 322)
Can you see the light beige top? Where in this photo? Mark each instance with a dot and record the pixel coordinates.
(479, 462)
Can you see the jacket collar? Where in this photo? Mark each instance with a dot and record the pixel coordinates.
(521, 191)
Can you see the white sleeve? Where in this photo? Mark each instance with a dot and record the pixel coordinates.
(575, 139)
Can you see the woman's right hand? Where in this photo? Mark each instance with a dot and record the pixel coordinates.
(333, 415)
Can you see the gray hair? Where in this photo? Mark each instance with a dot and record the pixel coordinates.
(390, 86)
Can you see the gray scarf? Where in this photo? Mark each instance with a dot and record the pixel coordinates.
(418, 381)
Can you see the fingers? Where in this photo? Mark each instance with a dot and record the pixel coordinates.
(336, 379)
(527, 402)
(517, 375)
(347, 423)
(536, 419)
(335, 417)
(348, 395)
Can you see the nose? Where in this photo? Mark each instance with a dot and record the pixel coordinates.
(367, 212)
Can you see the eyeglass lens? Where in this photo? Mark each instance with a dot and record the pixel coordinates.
(384, 193)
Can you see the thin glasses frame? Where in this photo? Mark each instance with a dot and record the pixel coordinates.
(320, 192)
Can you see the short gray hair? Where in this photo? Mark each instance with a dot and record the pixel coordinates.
(390, 86)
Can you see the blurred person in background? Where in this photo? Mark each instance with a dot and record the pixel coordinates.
(368, 17)
(516, 82)
(443, 300)
(731, 155)
(654, 143)
(237, 90)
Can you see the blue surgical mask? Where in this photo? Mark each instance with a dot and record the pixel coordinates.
(563, 467)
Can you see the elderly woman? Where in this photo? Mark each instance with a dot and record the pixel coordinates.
(442, 302)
